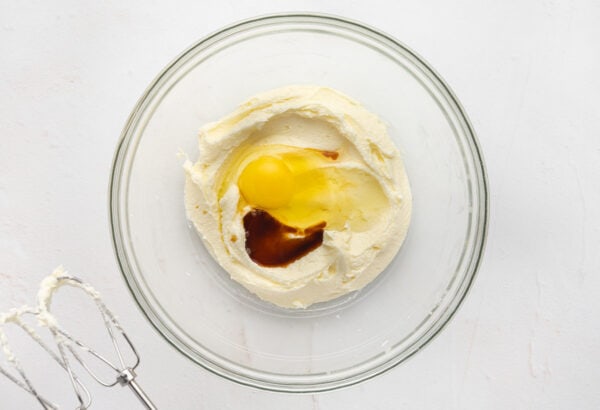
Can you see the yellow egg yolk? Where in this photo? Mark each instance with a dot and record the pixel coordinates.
(267, 182)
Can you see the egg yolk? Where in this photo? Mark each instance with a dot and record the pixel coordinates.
(267, 182)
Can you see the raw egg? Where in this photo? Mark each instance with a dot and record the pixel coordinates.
(290, 195)
(303, 186)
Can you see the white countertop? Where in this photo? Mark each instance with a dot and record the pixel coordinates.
(527, 336)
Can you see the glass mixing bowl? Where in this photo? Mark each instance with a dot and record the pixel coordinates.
(215, 322)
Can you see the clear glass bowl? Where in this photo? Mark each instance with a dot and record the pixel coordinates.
(218, 324)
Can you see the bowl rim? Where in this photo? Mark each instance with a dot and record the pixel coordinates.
(480, 236)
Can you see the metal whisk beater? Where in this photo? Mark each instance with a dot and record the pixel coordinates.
(15, 316)
(70, 347)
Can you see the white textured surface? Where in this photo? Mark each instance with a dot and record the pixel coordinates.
(527, 74)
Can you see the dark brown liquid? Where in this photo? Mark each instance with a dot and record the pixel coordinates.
(330, 154)
(271, 243)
